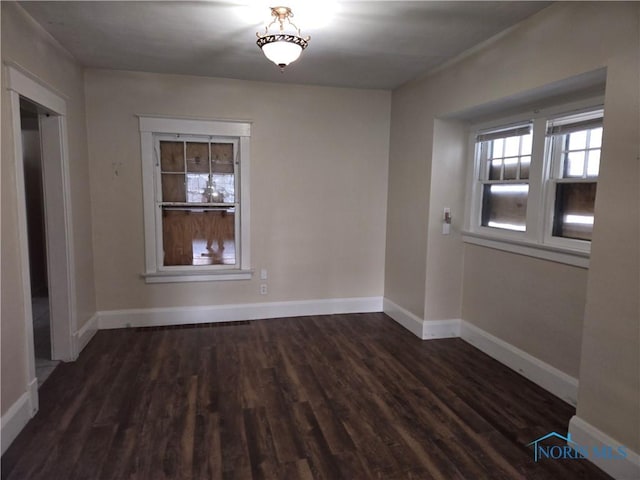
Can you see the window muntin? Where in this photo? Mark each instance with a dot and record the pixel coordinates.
(505, 159)
(196, 201)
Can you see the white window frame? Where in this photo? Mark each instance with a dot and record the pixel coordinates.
(480, 169)
(152, 130)
(554, 177)
(537, 241)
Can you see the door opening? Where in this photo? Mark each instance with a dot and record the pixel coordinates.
(50, 109)
(37, 240)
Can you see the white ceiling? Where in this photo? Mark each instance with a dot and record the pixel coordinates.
(363, 44)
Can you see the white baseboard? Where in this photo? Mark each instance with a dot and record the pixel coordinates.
(154, 317)
(404, 317)
(424, 329)
(542, 374)
(34, 400)
(14, 420)
(546, 376)
(84, 335)
(585, 434)
(434, 329)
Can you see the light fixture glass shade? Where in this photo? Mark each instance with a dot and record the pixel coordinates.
(281, 52)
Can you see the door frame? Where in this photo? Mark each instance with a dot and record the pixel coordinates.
(58, 226)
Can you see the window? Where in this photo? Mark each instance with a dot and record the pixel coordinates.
(196, 200)
(535, 181)
(575, 142)
(195, 187)
(505, 157)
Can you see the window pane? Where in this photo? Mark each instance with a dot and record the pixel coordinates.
(494, 169)
(173, 187)
(196, 187)
(525, 162)
(578, 140)
(197, 157)
(574, 164)
(224, 186)
(222, 158)
(573, 216)
(505, 206)
(510, 169)
(193, 237)
(496, 148)
(593, 164)
(526, 144)
(595, 140)
(512, 146)
(172, 156)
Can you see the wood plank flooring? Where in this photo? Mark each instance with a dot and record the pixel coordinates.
(331, 397)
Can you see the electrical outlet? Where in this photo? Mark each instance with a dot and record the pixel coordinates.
(263, 274)
(263, 289)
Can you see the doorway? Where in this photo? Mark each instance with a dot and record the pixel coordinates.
(37, 240)
(32, 99)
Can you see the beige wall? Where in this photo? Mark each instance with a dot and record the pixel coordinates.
(540, 51)
(319, 161)
(406, 249)
(443, 289)
(535, 305)
(609, 395)
(25, 44)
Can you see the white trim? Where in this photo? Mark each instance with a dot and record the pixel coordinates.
(546, 376)
(191, 276)
(148, 195)
(404, 317)
(546, 112)
(542, 374)
(59, 234)
(32, 390)
(186, 270)
(149, 127)
(14, 420)
(23, 239)
(84, 335)
(554, 176)
(583, 433)
(28, 85)
(545, 252)
(435, 329)
(192, 126)
(154, 317)
(423, 329)
(245, 199)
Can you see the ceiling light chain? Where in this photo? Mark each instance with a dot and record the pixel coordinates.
(280, 47)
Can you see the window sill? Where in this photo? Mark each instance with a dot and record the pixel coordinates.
(191, 276)
(576, 258)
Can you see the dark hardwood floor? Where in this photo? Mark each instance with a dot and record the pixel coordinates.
(341, 396)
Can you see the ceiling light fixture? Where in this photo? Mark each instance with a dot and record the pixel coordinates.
(282, 47)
